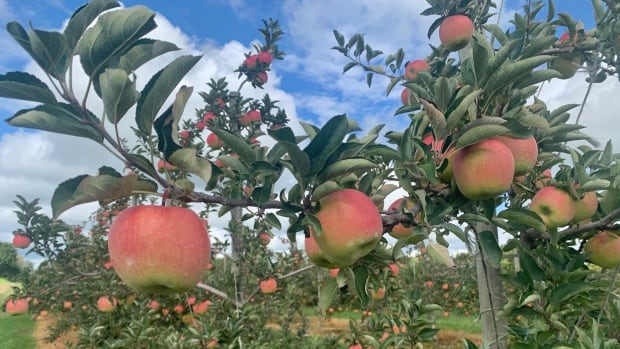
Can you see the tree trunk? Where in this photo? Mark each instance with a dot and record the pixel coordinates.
(237, 245)
(492, 298)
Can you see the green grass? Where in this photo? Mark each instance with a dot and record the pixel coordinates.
(459, 323)
(16, 331)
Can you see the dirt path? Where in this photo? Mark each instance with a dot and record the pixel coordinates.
(40, 333)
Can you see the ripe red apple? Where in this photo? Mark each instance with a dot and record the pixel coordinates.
(261, 78)
(334, 272)
(414, 67)
(351, 226)
(378, 294)
(268, 286)
(214, 141)
(524, 152)
(251, 61)
(456, 31)
(604, 249)
(585, 207)
(17, 306)
(184, 134)
(106, 304)
(555, 206)
(250, 117)
(483, 170)
(394, 268)
(406, 98)
(154, 305)
(315, 255)
(399, 231)
(159, 249)
(264, 239)
(201, 307)
(265, 57)
(164, 165)
(21, 241)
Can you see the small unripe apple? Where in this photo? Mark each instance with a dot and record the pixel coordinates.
(414, 67)
(214, 141)
(21, 241)
(351, 226)
(483, 170)
(106, 304)
(159, 249)
(268, 286)
(555, 206)
(456, 31)
(604, 249)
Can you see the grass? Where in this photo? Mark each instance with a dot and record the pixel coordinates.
(16, 331)
(6, 289)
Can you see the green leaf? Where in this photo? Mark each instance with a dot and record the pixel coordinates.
(27, 87)
(529, 264)
(479, 133)
(326, 141)
(188, 161)
(118, 93)
(454, 117)
(490, 248)
(438, 120)
(509, 72)
(346, 166)
(326, 294)
(83, 17)
(237, 144)
(439, 254)
(339, 38)
(167, 141)
(595, 184)
(567, 291)
(159, 87)
(146, 165)
(324, 189)
(610, 200)
(143, 51)
(61, 118)
(84, 188)
(525, 217)
(299, 159)
(360, 279)
(112, 35)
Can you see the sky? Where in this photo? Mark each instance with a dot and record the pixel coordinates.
(308, 83)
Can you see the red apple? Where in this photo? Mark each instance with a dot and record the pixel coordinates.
(265, 57)
(17, 306)
(585, 207)
(406, 97)
(164, 165)
(604, 249)
(250, 117)
(214, 141)
(394, 268)
(351, 226)
(399, 231)
(106, 304)
(264, 239)
(159, 249)
(524, 152)
(251, 61)
(555, 206)
(378, 294)
(483, 170)
(184, 134)
(414, 67)
(261, 78)
(67, 305)
(268, 286)
(315, 254)
(21, 241)
(154, 305)
(334, 272)
(201, 307)
(456, 31)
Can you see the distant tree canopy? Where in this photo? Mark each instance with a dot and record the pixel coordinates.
(12, 265)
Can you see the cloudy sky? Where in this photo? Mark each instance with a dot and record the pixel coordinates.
(308, 83)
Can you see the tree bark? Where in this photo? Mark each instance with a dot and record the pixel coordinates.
(491, 297)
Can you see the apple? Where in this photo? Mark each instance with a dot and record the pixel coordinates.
(179, 308)
(456, 31)
(251, 61)
(378, 294)
(566, 65)
(394, 268)
(414, 67)
(524, 152)
(154, 305)
(265, 57)
(483, 170)
(555, 206)
(399, 231)
(21, 241)
(261, 78)
(162, 166)
(67, 305)
(268, 286)
(17, 306)
(184, 134)
(544, 179)
(351, 226)
(356, 346)
(585, 207)
(108, 265)
(106, 304)
(604, 249)
(315, 254)
(208, 116)
(159, 249)
(201, 307)
(250, 117)
(334, 272)
(264, 239)
(214, 141)
(407, 98)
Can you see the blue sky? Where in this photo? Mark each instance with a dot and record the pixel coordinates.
(308, 82)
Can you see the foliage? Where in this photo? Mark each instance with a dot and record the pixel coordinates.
(17, 331)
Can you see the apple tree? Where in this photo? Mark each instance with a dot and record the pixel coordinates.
(473, 162)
